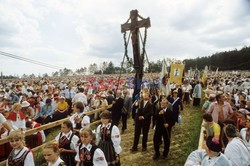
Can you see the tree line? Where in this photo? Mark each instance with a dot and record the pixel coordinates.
(227, 60)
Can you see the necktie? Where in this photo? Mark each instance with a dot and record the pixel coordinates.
(69, 94)
(62, 141)
(104, 132)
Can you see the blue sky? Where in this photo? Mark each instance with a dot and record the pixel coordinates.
(74, 33)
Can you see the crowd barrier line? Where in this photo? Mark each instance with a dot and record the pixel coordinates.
(50, 125)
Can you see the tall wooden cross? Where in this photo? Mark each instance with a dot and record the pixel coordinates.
(134, 26)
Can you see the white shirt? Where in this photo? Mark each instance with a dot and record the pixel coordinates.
(243, 133)
(29, 160)
(200, 157)
(228, 88)
(58, 161)
(145, 103)
(19, 123)
(237, 153)
(98, 157)
(69, 94)
(73, 142)
(2, 119)
(80, 97)
(115, 136)
(85, 120)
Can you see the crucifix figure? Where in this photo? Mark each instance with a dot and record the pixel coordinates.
(134, 26)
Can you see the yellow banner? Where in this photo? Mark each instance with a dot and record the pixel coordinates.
(176, 73)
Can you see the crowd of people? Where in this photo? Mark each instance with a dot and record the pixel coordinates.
(226, 116)
(27, 104)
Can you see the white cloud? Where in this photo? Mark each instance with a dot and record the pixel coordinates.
(73, 33)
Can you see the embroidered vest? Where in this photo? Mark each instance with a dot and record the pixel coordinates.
(86, 157)
(79, 124)
(106, 133)
(64, 142)
(18, 161)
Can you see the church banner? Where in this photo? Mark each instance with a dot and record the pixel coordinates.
(176, 73)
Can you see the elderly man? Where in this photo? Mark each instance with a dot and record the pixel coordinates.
(236, 150)
(126, 109)
(164, 122)
(117, 108)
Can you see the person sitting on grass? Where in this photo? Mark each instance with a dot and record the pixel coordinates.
(236, 150)
(212, 128)
(211, 156)
(62, 109)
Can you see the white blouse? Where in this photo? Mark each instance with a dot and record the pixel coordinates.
(85, 120)
(29, 160)
(98, 157)
(115, 136)
(58, 161)
(73, 142)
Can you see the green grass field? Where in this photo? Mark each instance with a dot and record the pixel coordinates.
(184, 140)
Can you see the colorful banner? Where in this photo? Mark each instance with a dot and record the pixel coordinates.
(176, 73)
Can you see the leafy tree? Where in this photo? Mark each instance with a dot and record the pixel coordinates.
(55, 74)
(92, 68)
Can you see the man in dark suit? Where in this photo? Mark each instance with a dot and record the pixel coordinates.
(110, 98)
(164, 123)
(126, 109)
(117, 108)
(142, 122)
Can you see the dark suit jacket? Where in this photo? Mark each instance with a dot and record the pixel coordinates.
(146, 111)
(110, 99)
(167, 117)
(117, 107)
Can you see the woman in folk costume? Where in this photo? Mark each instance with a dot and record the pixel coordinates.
(5, 129)
(88, 154)
(16, 118)
(37, 138)
(52, 155)
(67, 142)
(20, 155)
(109, 139)
(79, 120)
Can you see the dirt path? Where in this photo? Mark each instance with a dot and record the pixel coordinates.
(184, 140)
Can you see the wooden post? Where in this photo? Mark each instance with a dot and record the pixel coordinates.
(138, 61)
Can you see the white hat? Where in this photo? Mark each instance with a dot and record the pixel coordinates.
(62, 97)
(212, 96)
(25, 104)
